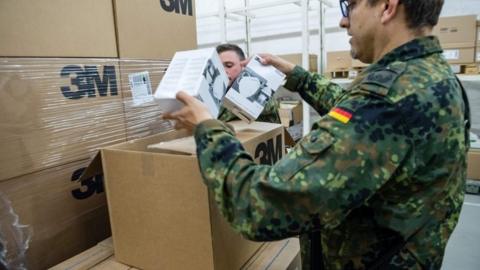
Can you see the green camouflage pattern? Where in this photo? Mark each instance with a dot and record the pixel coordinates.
(269, 113)
(387, 184)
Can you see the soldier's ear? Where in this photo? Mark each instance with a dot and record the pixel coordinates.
(390, 9)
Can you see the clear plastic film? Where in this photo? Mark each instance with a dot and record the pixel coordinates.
(56, 111)
(55, 114)
(14, 238)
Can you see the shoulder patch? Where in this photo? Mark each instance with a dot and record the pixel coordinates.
(380, 81)
(340, 114)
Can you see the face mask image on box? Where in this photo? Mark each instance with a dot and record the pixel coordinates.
(252, 86)
(216, 87)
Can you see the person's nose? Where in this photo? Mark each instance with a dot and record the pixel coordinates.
(344, 22)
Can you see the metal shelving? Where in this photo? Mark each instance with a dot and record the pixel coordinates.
(247, 13)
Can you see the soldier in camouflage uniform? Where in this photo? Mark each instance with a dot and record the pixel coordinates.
(378, 182)
(231, 56)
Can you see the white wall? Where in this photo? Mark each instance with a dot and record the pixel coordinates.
(278, 29)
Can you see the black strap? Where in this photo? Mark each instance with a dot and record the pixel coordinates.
(467, 115)
(316, 252)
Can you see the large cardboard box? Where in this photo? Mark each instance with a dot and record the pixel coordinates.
(153, 29)
(139, 81)
(459, 55)
(457, 31)
(161, 214)
(55, 111)
(339, 60)
(60, 28)
(296, 58)
(65, 216)
(473, 169)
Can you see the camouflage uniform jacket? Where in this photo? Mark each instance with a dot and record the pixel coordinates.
(269, 113)
(380, 176)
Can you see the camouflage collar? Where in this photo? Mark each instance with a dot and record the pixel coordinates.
(415, 48)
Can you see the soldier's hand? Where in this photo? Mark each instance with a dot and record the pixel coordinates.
(191, 114)
(280, 63)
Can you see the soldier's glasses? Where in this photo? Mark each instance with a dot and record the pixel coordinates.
(345, 7)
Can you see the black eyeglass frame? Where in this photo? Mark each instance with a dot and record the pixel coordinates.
(345, 8)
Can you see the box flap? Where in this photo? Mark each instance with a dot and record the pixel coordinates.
(93, 168)
(184, 145)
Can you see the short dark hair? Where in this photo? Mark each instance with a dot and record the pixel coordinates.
(420, 13)
(231, 47)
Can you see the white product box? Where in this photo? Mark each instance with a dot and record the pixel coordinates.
(200, 73)
(252, 89)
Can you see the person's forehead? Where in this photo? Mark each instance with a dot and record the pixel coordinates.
(229, 56)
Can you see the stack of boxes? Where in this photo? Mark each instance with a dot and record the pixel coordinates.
(65, 93)
(458, 37)
(296, 58)
(341, 64)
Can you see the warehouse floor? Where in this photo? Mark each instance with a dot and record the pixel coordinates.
(463, 249)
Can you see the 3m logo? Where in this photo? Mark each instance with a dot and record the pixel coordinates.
(88, 81)
(88, 187)
(269, 152)
(178, 6)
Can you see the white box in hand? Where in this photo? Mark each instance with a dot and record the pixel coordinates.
(200, 73)
(252, 89)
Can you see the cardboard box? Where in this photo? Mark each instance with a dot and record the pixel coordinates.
(60, 28)
(142, 113)
(66, 216)
(290, 112)
(457, 31)
(161, 214)
(459, 55)
(296, 58)
(339, 60)
(473, 169)
(55, 111)
(153, 29)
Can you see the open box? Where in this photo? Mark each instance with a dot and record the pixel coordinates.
(161, 214)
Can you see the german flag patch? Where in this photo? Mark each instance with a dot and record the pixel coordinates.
(341, 115)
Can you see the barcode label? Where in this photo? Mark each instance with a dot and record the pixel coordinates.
(451, 54)
(141, 87)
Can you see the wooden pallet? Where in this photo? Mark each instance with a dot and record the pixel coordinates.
(338, 74)
(347, 73)
(467, 69)
(284, 254)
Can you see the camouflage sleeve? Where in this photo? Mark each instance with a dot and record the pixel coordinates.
(334, 169)
(269, 113)
(315, 89)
